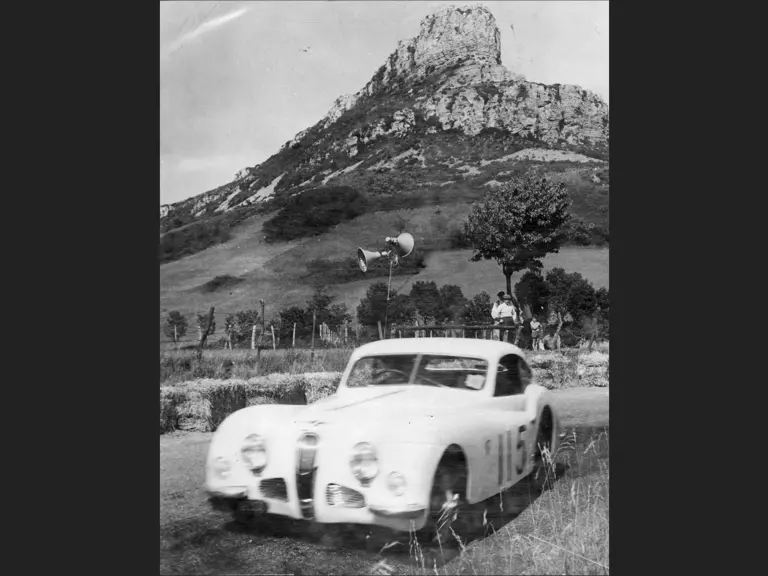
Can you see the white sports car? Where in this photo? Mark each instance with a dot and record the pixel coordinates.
(418, 429)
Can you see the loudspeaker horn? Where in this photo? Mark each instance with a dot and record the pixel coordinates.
(403, 244)
(366, 256)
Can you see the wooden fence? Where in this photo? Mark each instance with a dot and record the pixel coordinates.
(481, 331)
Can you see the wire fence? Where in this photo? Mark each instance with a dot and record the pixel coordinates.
(270, 335)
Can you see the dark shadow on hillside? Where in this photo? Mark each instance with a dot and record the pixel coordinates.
(220, 283)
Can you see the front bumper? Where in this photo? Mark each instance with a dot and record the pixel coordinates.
(414, 512)
(332, 503)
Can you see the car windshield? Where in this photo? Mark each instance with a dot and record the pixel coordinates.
(446, 371)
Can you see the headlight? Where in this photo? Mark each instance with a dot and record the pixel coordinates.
(254, 452)
(364, 463)
(221, 467)
(396, 483)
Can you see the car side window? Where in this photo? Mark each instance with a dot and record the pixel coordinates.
(512, 376)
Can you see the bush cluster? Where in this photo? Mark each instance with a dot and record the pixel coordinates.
(314, 212)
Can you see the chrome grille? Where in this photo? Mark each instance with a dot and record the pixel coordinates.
(305, 472)
(336, 495)
(274, 488)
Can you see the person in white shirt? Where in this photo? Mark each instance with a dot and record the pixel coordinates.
(508, 317)
(495, 314)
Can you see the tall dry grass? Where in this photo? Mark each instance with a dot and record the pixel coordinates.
(564, 531)
(182, 366)
(568, 368)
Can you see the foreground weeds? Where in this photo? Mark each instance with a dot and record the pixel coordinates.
(565, 530)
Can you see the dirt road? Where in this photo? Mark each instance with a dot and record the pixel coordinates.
(196, 540)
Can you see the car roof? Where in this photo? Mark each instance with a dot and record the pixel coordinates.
(459, 346)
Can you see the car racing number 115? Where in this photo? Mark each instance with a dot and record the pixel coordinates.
(509, 454)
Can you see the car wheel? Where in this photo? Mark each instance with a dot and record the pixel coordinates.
(542, 473)
(448, 509)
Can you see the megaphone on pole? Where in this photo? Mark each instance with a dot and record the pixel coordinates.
(398, 247)
(364, 257)
(402, 245)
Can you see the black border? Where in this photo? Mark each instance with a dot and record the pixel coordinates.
(108, 471)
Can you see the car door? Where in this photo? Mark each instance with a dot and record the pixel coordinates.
(514, 440)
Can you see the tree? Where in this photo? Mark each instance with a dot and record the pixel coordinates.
(338, 316)
(603, 309)
(202, 323)
(240, 325)
(532, 290)
(320, 301)
(371, 309)
(518, 223)
(175, 326)
(452, 302)
(573, 298)
(478, 309)
(425, 298)
(295, 315)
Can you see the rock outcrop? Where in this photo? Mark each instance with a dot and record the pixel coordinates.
(448, 78)
(479, 92)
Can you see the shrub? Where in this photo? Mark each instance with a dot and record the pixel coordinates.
(313, 212)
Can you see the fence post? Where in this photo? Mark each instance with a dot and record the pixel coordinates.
(175, 337)
(253, 336)
(274, 346)
(381, 336)
(312, 353)
(294, 335)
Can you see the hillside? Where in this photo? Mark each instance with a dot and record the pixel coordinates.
(283, 274)
(439, 120)
(437, 125)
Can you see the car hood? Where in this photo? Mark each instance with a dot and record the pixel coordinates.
(411, 403)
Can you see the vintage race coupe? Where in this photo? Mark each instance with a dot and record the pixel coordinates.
(419, 429)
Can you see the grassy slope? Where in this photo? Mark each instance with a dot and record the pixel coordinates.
(276, 273)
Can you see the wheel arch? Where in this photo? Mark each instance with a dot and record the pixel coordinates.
(457, 456)
(548, 424)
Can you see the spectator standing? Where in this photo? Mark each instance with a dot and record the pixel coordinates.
(535, 333)
(508, 316)
(495, 334)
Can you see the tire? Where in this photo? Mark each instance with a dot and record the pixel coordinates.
(542, 474)
(448, 510)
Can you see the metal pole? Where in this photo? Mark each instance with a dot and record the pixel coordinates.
(386, 304)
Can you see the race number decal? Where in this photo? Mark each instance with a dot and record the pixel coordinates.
(521, 451)
(507, 457)
(501, 459)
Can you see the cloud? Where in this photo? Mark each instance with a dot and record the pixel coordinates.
(203, 29)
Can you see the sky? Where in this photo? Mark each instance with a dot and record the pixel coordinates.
(239, 79)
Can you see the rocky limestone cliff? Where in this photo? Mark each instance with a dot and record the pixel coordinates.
(448, 79)
(479, 92)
